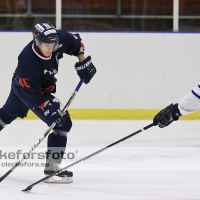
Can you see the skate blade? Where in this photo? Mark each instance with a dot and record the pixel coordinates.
(59, 180)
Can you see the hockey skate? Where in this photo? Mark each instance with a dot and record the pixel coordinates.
(62, 178)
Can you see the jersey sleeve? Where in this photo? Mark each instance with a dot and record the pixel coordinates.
(191, 102)
(71, 43)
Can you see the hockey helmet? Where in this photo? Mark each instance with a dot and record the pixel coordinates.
(46, 33)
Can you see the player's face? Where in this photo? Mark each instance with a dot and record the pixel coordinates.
(46, 49)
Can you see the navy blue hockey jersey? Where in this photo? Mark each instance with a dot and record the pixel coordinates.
(34, 79)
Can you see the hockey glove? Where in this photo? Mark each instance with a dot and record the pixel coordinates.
(167, 116)
(54, 113)
(85, 69)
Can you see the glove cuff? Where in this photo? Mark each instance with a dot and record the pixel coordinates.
(176, 112)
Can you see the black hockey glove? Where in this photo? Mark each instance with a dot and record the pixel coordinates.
(85, 69)
(54, 113)
(167, 116)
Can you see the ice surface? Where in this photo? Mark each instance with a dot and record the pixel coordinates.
(157, 164)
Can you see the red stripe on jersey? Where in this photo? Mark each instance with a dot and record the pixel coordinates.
(42, 105)
(49, 89)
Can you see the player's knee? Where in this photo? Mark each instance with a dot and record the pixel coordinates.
(5, 119)
(66, 127)
(68, 124)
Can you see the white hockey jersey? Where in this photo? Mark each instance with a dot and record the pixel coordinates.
(191, 102)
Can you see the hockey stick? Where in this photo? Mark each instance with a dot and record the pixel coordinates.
(45, 134)
(87, 157)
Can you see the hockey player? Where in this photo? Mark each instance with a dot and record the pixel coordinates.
(33, 84)
(188, 104)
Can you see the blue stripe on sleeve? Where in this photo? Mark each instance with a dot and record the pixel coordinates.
(195, 94)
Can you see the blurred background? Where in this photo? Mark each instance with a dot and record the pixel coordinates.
(156, 44)
(102, 15)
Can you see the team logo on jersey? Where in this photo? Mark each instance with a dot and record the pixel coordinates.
(54, 71)
(60, 45)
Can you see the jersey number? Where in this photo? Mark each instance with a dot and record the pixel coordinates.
(24, 82)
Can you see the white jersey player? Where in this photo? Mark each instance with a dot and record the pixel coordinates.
(188, 104)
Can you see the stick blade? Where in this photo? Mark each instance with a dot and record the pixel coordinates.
(27, 189)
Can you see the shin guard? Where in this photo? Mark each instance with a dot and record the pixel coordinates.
(57, 142)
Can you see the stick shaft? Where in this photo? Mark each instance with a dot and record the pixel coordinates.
(89, 156)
